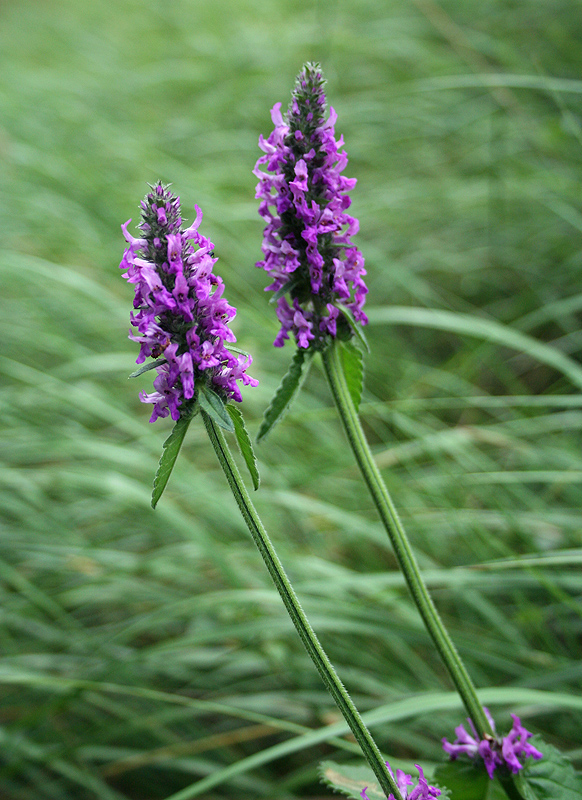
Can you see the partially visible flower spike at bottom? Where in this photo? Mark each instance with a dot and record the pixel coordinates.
(494, 752)
(422, 791)
(181, 317)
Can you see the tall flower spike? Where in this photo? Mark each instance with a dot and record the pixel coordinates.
(422, 791)
(494, 752)
(307, 243)
(181, 317)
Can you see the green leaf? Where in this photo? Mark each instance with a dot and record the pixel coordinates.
(353, 365)
(351, 779)
(147, 367)
(355, 326)
(287, 391)
(463, 779)
(552, 777)
(295, 281)
(169, 455)
(234, 349)
(213, 405)
(244, 443)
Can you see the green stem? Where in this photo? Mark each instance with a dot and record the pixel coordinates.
(304, 629)
(399, 539)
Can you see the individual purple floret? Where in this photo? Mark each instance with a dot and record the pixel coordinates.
(493, 751)
(515, 744)
(307, 246)
(181, 315)
(422, 791)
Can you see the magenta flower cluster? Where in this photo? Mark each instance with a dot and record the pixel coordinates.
(405, 783)
(181, 316)
(494, 753)
(307, 244)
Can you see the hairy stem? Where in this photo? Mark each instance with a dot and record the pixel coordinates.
(402, 549)
(304, 629)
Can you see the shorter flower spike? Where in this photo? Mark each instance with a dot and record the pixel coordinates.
(422, 791)
(494, 752)
(181, 316)
(307, 243)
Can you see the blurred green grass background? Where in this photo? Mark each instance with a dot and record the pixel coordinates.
(144, 652)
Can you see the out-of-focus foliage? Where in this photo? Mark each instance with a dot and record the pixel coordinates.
(113, 618)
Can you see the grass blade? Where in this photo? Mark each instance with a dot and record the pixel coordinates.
(482, 328)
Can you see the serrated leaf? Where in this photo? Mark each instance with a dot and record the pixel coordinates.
(552, 777)
(147, 367)
(353, 366)
(351, 779)
(355, 326)
(169, 455)
(244, 443)
(463, 779)
(287, 391)
(213, 405)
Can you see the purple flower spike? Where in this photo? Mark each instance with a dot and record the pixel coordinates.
(180, 315)
(515, 744)
(492, 750)
(405, 783)
(307, 246)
